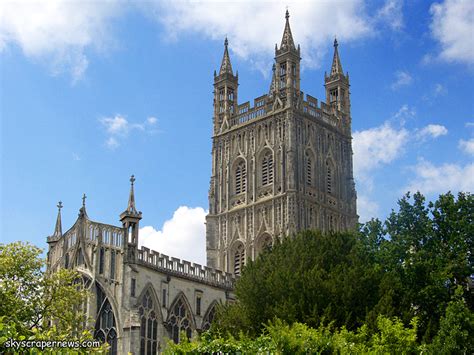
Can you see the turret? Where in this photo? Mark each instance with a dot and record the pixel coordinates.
(225, 93)
(287, 59)
(337, 85)
(130, 219)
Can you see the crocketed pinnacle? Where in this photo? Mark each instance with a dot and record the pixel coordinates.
(336, 67)
(287, 40)
(226, 66)
(58, 230)
(131, 199)
(273, 87)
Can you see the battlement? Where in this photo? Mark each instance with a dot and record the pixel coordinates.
(311, 107)
(185, 269)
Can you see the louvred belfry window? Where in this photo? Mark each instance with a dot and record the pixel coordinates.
(309, 171)
(239, 258)
(329, 178)
(240, 178)
(267, 169)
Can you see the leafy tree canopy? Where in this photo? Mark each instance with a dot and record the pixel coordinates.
(36, 306)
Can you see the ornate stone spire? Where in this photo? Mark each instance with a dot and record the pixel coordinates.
(226, 66)
(287, 42)
(131, 199)
(336, 67)
(58, 230)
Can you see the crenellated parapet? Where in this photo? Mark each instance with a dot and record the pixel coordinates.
(185, 269)
(309, 107)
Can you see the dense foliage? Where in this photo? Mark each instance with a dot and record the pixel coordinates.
(36, 306)
(361, 289)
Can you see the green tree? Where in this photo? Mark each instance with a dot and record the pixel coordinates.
(310, 278)
(37, 306)
(456, 329)
(426, 253)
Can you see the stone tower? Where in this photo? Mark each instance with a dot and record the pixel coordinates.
(281, 166)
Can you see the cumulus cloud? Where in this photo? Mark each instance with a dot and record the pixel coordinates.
(183, 236)
(467, 146)
(432, 179)
(375, 147)
(253, 27)
(58, 32)
(452, 26)
(402, 78)
(433, 131)
(118, 127)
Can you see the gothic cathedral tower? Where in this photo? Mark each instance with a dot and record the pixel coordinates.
(281, 166)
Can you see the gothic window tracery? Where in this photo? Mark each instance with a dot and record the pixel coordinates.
(105, 328)
(148, 325)
(209, 317)
(179, 320)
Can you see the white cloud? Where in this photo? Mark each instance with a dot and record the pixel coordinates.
(453, 27)
(253, 27)
(118, 127)
(467, 146)
(366, 208)
(58, 32)
(112, 143)
(404, 113)
(183, 236)
(432, 130)
(392, 14)
(402, 78)
(151, 120)
(375, 147)
(432, 179)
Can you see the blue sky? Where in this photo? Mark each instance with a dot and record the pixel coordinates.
(94, 92)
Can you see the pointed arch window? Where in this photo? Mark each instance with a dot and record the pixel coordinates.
(179, 320)
(239, 259)
(80, 257)
(105, 328)
(267, 169)
(240, 178)
(148, 325)
(209, 317)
